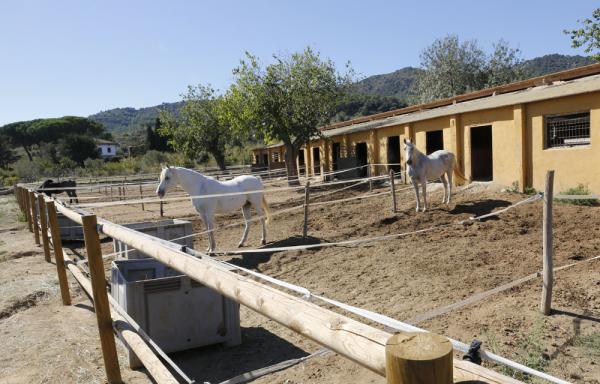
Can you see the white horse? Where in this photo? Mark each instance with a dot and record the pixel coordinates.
(440, 164)
(196, 184)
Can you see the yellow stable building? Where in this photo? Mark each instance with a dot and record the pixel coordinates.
(509, 134)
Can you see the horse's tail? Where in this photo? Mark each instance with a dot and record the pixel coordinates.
(265, 207)
(458, 173)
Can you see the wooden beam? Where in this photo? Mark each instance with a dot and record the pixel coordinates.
(58, 252)
(44, 226)
(101, 306)
(546, 304)
(34, 222)
(26, 205)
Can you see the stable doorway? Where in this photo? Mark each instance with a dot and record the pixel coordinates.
(393, 153)
(335, 155)
(434, 141)
(301, 162)
(362, 158)
(482, 166)
(316, 161)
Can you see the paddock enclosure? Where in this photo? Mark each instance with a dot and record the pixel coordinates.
(509, 134)
(361, 272)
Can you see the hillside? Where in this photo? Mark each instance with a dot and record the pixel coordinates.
(388, 91)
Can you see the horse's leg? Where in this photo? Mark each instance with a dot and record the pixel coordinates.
(247, 216)
(444, 183)
(424, 185)
(416, 187)
(209, 230)
(261, 214)
(211, 235)
(449, 177)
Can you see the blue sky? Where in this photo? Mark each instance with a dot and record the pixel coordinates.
(79, 57)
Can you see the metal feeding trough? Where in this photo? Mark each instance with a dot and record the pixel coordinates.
(176, 312)
(164, 229)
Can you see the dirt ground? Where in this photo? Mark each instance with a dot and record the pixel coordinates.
(401, 278)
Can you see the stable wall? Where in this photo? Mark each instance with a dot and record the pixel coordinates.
(572, 165)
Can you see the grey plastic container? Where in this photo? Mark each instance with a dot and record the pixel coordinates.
(165, 229)
(69, 230)
(177, 312)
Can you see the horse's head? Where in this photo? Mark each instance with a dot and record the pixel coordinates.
(166, 180)
(409, 150)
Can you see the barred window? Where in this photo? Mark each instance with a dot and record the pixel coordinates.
(275, 156)
(567, 130)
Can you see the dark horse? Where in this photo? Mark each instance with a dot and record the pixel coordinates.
(50, 187)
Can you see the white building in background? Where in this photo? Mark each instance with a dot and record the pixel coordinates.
(106, 148)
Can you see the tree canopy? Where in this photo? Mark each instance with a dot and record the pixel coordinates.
(34, 132)
(588, 36)
(200, 127)
(287, 100)
(451, 67)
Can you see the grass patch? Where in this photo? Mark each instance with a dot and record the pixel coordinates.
(530, 191)
(21, 217)
(590, 343)
(579, 190)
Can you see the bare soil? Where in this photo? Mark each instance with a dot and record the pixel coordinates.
(401, 278)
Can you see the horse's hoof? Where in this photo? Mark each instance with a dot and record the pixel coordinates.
(263, 242)
(240, 245)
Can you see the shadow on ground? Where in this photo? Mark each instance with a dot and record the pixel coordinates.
(260, 348)
(481, 207)
(252, 260)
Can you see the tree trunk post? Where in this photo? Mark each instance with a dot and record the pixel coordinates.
(546, 304)
(306, 196)
(58, 253)
(393, 191)
(418, 357)
(101, 306)
(26, 204)
(44, 227)
(142, 197)
(32, 205)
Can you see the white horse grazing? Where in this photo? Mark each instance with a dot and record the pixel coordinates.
(196, 184)
(440, 164)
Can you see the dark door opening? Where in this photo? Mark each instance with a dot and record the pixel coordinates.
(362, 158)
(317, 161)
(301, 162)
(482, 166)
(393, 153)
(335, 155)
(434, 141)
(265, 159)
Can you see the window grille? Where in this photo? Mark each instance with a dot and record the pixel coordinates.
(275, 156)
(568, 130)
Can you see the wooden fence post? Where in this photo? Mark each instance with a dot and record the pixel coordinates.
(369, 176)
(546, 304)
(418, 357)
(32, 205)
(162, 212)
(306, 196)
(393, 191)
(44, 227)
(111, 193)
(58, 252)
(101, 306)
(142, 196)
(27, 204)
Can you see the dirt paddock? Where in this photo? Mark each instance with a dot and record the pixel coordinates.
(401, 278)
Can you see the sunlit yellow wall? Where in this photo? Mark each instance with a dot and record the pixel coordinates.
(574, 165)
(504, 150)
(421, 127)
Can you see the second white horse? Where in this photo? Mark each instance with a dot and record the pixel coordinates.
(197, 185)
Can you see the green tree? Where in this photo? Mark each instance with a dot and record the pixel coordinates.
(287, 101)
(451, 68)
(200, 127)
(154, 140)
(588, 35)
(78, 148)
(7, 154)
(32, 133)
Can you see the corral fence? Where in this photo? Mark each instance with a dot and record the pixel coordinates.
(403, 357)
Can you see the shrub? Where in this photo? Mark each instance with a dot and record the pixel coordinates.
(579, 190)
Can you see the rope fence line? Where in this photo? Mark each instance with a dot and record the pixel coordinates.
(393, 323)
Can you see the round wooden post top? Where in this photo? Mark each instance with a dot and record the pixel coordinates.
(418, 357)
